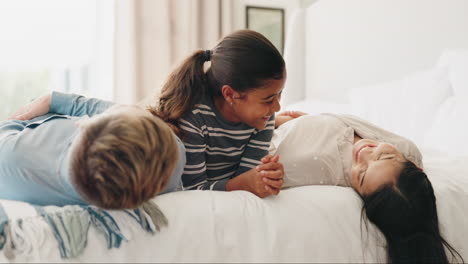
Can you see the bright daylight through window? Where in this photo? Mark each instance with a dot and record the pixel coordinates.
(63, 45)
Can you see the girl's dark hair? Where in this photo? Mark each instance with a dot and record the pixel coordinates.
(406, 214)
(243, 60)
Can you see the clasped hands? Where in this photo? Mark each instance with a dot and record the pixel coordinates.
(264, 180)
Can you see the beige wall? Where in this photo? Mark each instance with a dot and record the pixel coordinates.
(153, 36)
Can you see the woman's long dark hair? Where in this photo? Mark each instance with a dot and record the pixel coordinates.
(406, 214)
(243, 60)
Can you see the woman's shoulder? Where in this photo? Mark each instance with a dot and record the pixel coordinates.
(367, 129)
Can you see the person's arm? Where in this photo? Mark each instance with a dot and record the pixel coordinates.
(257, 148)
(287, 116)
(258, 172)
(60, 103)
(195, 176)
(77, 105)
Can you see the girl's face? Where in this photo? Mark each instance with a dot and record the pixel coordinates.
(374, 164)
(255, 107)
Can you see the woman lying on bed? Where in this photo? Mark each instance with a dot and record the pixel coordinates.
(385, 169)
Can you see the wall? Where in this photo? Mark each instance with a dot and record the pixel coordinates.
(152, 37)
(363, 42)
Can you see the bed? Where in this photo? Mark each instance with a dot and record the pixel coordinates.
(301, 224)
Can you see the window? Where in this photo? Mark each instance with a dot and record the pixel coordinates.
(63, 45)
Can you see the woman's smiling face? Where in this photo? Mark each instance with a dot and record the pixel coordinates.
(374, 164)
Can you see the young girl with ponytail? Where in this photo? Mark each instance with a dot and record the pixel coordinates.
(222, 102)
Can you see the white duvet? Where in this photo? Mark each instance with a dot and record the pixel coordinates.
(302, 224)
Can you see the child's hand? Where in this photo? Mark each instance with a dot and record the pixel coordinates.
(269, 158)
(262, 183)
(251, 181)
(272, 172)
(38, 107)
(264, 180)
(267, 183)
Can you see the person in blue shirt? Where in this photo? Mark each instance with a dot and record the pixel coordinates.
(86, 151)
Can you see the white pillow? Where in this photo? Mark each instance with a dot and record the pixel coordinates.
(450, 128)
(457, 62)
(317, 107)
(406, 106)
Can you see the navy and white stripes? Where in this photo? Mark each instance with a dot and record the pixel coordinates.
(218, 150)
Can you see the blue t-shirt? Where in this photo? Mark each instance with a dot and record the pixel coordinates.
(35, 154)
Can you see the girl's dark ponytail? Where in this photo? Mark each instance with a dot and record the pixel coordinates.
(184, 87)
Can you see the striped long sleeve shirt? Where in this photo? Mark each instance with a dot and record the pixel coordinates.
(218, 150)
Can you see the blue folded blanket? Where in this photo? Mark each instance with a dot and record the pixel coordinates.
(70, 225)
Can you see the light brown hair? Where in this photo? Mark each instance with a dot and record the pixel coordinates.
(244, 60)
(121, 161)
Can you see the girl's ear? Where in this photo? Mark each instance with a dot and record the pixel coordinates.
(229, 94)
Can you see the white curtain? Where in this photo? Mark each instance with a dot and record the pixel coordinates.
(153, 36)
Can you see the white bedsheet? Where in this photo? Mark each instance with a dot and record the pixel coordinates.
(303, 224)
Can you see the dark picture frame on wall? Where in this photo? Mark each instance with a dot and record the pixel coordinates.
(268, 21)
